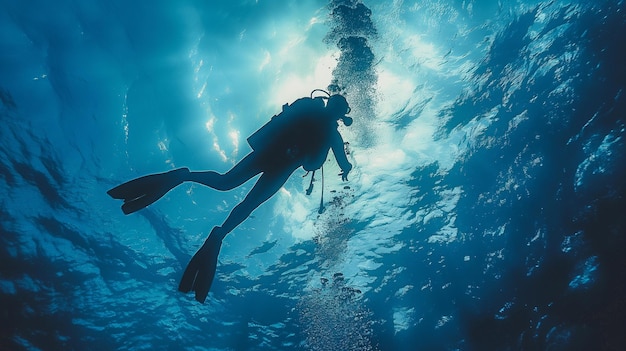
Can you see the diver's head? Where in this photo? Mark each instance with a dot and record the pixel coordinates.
(339, 108)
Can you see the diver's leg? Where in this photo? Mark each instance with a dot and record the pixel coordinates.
(200, 271)
(239, 174)
(267, 185)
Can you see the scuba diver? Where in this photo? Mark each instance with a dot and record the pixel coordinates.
(300, 136)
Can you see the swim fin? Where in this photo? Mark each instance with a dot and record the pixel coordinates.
(143, 191)
(200, 271)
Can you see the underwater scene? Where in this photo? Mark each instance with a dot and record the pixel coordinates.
(471, 197)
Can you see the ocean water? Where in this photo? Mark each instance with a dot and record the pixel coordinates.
(485, 210)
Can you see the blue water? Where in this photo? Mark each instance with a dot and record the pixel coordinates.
(485, 210)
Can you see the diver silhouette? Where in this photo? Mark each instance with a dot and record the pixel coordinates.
(300, 136)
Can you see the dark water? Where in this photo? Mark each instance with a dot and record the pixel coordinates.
(485, 211)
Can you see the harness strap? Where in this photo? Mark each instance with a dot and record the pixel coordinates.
(309, 190)
(321, 209)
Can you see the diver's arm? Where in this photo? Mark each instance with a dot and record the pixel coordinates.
(340, 155)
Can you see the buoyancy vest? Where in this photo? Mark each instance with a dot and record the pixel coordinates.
(300, 133)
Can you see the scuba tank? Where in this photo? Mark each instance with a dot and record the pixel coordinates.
(301, 130)
(279, 126)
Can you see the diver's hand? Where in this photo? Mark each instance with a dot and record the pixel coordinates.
(344, 173)
(344, 176)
